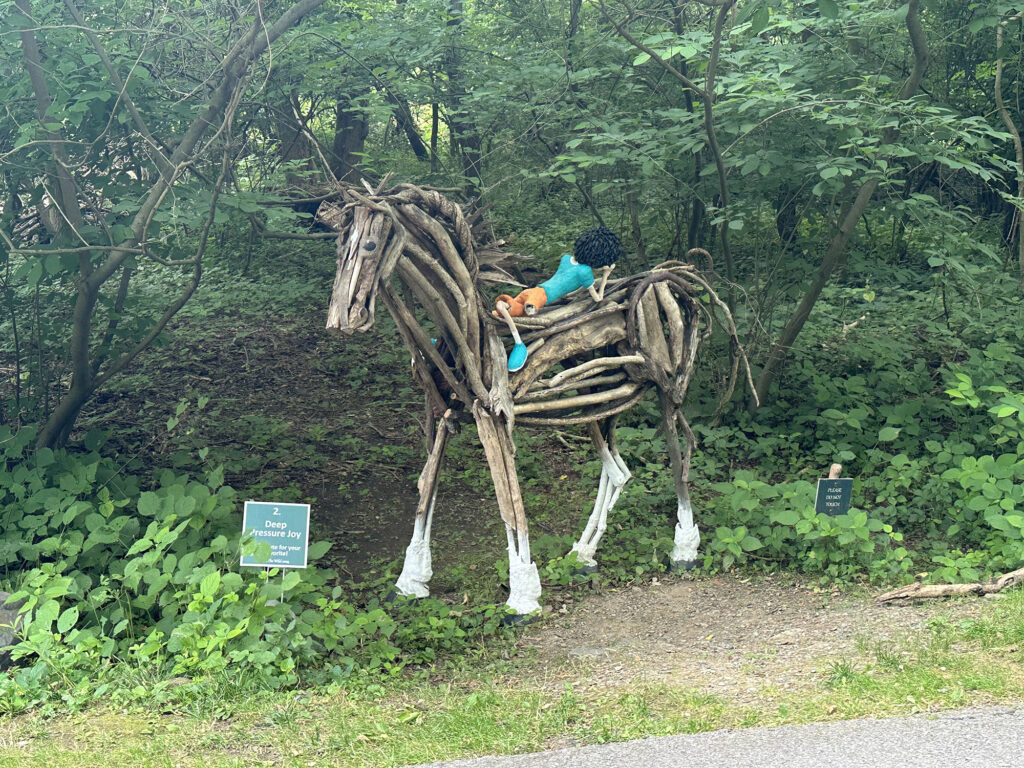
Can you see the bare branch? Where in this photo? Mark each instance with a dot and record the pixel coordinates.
(122, 362)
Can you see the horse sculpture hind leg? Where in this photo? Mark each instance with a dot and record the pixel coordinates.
(687, 536)
(614, 476)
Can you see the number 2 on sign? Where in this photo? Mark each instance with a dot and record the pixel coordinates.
(276, 511)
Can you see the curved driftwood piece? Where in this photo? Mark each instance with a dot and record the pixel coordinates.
(541, 393)
(918, 590)
(598, 362)
(574, 402)
(590, 357)
(589, 417)
(572, 322)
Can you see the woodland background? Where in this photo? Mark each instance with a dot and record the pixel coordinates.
(855, 169)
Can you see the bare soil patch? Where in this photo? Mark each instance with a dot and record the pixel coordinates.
(724, 635)
(297, 414)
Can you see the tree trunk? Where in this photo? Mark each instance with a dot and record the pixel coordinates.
(350, 130)
(1018, 147)
(848, 222)
(638, 235)
(404, 118)
(786, 218)
(464, 137)
(435, 126)
(293, 144)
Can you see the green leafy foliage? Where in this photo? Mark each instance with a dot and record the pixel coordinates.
(111, 574)
(909, 371)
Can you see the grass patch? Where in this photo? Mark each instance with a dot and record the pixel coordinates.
(492, 710)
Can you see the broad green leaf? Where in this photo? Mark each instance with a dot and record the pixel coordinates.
(750, 543)
(828, 8)
(209, 585)
(67, 620)
(886, 434)
(319, 549)
(759, 20)
(785, 516)
(47, 613)
(149, 504)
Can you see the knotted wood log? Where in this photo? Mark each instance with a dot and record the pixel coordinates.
(918, 590)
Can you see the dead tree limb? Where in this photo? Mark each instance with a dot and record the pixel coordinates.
(918, 590)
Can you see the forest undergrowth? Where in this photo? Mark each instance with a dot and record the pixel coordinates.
(125, 547)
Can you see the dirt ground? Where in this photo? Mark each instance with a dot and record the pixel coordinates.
(723, 635)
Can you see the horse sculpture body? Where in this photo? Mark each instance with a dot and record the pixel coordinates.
(588, 362)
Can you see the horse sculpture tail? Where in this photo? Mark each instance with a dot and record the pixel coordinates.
(666, 321)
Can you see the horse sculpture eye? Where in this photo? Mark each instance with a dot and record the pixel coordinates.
(370, 246)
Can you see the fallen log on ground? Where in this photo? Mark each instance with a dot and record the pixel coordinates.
(918, 590)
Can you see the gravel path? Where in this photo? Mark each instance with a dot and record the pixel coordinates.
(720, 635)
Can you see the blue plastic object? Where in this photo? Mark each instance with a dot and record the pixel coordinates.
(517, 357)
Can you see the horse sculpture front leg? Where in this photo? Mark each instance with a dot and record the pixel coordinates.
(524, 580)
(417, 568)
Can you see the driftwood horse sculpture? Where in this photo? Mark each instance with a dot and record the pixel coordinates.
(588, 362)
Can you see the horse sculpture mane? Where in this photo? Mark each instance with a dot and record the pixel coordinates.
(588, 361)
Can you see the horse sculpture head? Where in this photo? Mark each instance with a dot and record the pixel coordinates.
(369, 245)
(376, 230)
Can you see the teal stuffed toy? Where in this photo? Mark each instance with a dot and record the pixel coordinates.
(595, 248)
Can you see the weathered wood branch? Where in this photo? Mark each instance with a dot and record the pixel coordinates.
(588, 416)
(568, 403)
(596, 363)
(545, 393)
(918, 590)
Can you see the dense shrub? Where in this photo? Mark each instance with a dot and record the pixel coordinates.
(111, 575)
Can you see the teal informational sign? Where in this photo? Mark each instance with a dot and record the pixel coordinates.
(285, 527)
(834, 494)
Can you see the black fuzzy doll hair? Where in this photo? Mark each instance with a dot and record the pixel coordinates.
(597, 247)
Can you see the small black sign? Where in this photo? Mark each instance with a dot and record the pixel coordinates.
(833, 496)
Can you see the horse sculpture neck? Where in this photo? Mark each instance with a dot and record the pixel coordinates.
(427, 243)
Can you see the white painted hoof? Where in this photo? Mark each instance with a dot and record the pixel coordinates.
(416, 571)
(524, 587)
(585, 556)
(687, 542)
